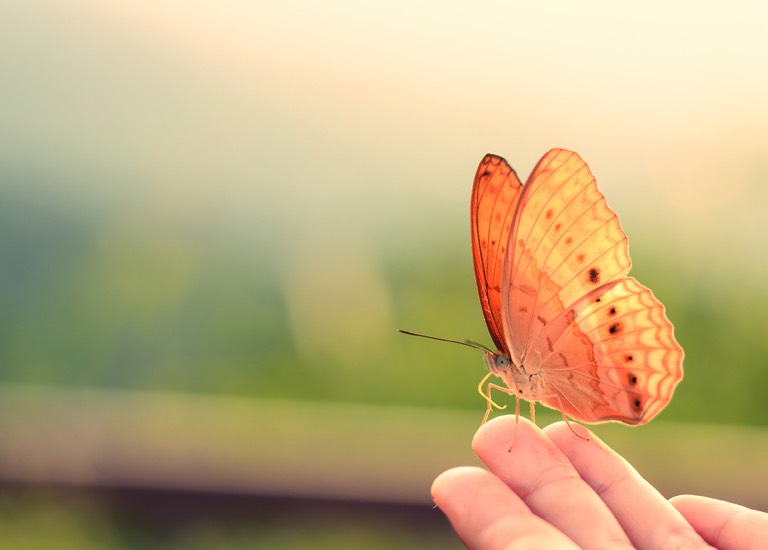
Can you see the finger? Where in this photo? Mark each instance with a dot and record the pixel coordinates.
(646, 516)
(486, 514)
(543, 477)
(723, 524)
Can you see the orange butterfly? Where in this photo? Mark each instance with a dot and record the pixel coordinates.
(572, 330)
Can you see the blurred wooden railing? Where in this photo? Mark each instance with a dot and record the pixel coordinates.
(162, 441)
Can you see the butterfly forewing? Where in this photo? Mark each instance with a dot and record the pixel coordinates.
(564, 242)
(494, 197)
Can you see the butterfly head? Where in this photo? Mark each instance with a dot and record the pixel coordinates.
(498, 362)
(524, 383)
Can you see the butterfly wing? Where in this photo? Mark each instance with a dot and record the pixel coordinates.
(494, 197)
(565, 242)
(612, 355)
(600, 342)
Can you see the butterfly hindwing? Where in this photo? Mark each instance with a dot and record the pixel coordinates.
(611, 356)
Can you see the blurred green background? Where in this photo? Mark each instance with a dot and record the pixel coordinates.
(223, 210)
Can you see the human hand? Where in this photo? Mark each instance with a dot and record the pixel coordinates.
(556, 490)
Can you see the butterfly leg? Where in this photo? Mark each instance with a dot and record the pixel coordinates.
(487, 412)
(487, 396)
(517, 421)
(505, 390)
(565, 418)
(517, 408)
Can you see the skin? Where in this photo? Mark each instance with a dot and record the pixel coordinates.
(556, 490)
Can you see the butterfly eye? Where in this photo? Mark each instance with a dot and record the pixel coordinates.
(502, 362)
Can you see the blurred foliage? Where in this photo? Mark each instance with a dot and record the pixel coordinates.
(35, 521)
(43, 520)
(91, 299)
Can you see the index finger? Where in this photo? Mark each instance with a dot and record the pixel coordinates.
(547, 482)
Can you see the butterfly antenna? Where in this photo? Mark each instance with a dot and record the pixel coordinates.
(468, 343)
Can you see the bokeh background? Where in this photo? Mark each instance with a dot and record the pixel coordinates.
(214, 215)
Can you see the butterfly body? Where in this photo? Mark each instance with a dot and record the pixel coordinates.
(527, 385)
(572, 330)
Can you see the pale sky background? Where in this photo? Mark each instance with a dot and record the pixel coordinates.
(334, 100)
(324, 128)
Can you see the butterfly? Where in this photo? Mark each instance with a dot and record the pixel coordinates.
(572, 331)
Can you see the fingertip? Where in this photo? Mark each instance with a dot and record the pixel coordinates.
(700, 505)
(458, 491)
(500, 433)
(486, 513)
(587, 452)
(571, 437)
(560, 428)
(683, 500)
(720, 523)
(454, 479)
(487, 431)
(686, 505)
